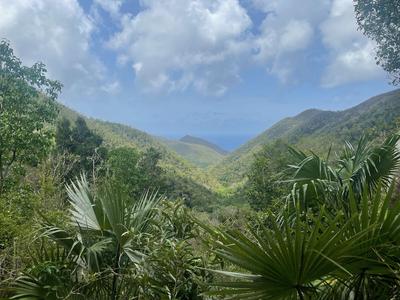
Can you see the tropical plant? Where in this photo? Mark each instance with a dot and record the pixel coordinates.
(117, 247)
(340, 240)
(269, 164)
(360, 167)
(318, 256)
(135, 171)
(110, 229)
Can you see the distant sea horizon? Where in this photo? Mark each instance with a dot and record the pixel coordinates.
(227, 142)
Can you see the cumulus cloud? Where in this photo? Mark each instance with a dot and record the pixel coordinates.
(290, 26)
(177, 44)
(286, 32)
(275, 41)
(277, 45)
(351, 53)
(352, 65)
(57, 33)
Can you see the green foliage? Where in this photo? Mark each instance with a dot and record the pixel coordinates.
(179, 178)
(198, 154)
(85, 142)
(64, 141)
(137, 172)
(152, 173)
(327, 255)
(357, 168)
(318, 131)
(380, 21)
(26, 106)
(199, 141)
(81, 142)
(122, 164)
(119, 247)
(41, 190)
(17, 209)
(263, 186)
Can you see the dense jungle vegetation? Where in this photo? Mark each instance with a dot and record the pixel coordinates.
(96, 210)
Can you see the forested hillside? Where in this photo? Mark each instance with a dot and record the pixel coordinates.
(312, 129)
(199, 141)
(185, 178)
(200, 155)
(318, 131)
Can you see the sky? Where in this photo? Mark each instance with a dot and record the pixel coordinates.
(224, 70)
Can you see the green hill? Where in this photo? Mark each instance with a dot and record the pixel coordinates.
(189, 180)
(199, 141)
(200, 155)
(317, 130)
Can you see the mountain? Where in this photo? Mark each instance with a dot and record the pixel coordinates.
(317, 130)
(202, 154)
(199, 141)
(187, 179)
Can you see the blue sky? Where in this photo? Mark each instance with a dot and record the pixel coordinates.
(224, 70)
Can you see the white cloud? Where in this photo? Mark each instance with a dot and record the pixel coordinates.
(287, 31)
(274, 41)
(177, 44)
(352, 65)
(351, 53)
(174, 45)
(57, 33)
(113, 7)
(296, 35)
(291, 25)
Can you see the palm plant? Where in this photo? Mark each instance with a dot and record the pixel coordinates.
(319, 256)
(109, 234)
(316, 179)
(345, 247)
(117, 247)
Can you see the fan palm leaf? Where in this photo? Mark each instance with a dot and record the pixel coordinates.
(285, 262)
(358, 168)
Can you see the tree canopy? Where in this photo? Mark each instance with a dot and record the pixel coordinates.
(26, 106)
(380, 21)
(82, 142)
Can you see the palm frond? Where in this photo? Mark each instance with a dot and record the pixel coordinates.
(84, 210)
(285, 262)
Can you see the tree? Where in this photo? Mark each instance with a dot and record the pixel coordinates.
(380, 21)
(64, 136)
(81, 142)
(123, 167)
(153, 174)
(26, 106)
(135, 172)
(267, 168)
(85, 142)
